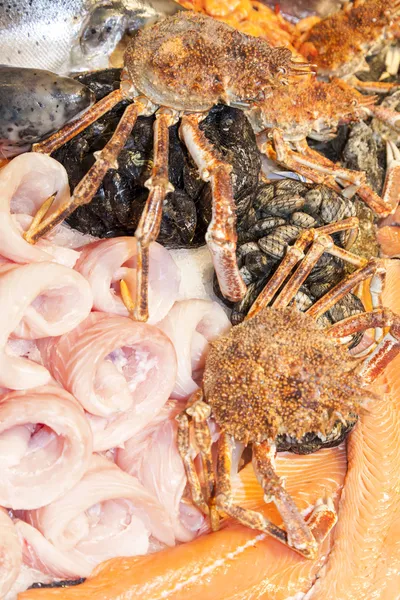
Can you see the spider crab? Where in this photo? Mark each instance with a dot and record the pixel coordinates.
(177, 68)
(315, 109)
(279, 374)
(340, 43)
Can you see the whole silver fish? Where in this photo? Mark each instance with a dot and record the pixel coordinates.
(71, 35)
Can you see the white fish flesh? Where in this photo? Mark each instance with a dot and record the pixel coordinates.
(106, 514)
(10, 553)
(49, 446)
(191, 325)
(106, 262)
(36, 301)
(152, 456)
(121, 371)
(25, 183)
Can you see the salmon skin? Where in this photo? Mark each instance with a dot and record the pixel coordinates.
(236, 563)
(365, 559)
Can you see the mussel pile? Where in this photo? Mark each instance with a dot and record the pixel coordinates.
(280, 211)
(117, 206)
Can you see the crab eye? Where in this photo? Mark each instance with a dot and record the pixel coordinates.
(354, 102)
(281, 70)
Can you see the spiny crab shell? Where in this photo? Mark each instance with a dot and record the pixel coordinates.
(278, 373)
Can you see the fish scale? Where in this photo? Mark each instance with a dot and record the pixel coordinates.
(41, 33)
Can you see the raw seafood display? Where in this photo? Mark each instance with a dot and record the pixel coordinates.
(46, 446)
(281, 211)
(122, 372)
(121, 438)
(260, 363)
(105, 263)
(181, 81)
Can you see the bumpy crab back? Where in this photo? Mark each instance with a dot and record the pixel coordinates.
(339, 43)
(192, 62)
(279, 374)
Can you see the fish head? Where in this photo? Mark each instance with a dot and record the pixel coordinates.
(102, 31)
(108, 22)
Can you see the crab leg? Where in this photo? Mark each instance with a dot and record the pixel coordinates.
(312, 166)
(150, 221)
(387, 349)
(295, 254)
(311, 174)
(387, 115)
(372, 268)
(320, 245)
(221, 235)
(186, 453)
(72, 129)
(298, 535)
(200, 412)
(351, 224)
(391, 190)
(373, 87)
(287, 156)
(88, 186)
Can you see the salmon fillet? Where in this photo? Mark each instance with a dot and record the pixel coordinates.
(388, 238)
(235, 563)
(365, 559)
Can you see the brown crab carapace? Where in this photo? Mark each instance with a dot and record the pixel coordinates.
(340, 43)
(179, 67)
(280, 374)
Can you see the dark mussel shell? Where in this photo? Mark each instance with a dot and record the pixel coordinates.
(280, 211)
(117, 206)
(57, 584)
(311, 442)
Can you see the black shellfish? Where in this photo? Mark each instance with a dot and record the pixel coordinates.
(117, 206)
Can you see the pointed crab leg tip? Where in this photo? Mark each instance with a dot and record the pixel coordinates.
(29, 235)
(126, 296)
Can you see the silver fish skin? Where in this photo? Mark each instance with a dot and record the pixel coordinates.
(67, 36)
(34, 104)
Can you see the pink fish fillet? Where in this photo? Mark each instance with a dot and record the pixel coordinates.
(25, 183)
(106, 262)
(106, 514)
(45, 446)
(366, 544)
(191, 325)
(152, 456)
(37, 300)
(10, 553)
(121, 371)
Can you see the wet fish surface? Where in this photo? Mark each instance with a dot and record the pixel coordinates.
(71, 35)
(35, 103)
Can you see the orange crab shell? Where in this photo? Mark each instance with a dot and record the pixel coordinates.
(311, 105)
(339, 43)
